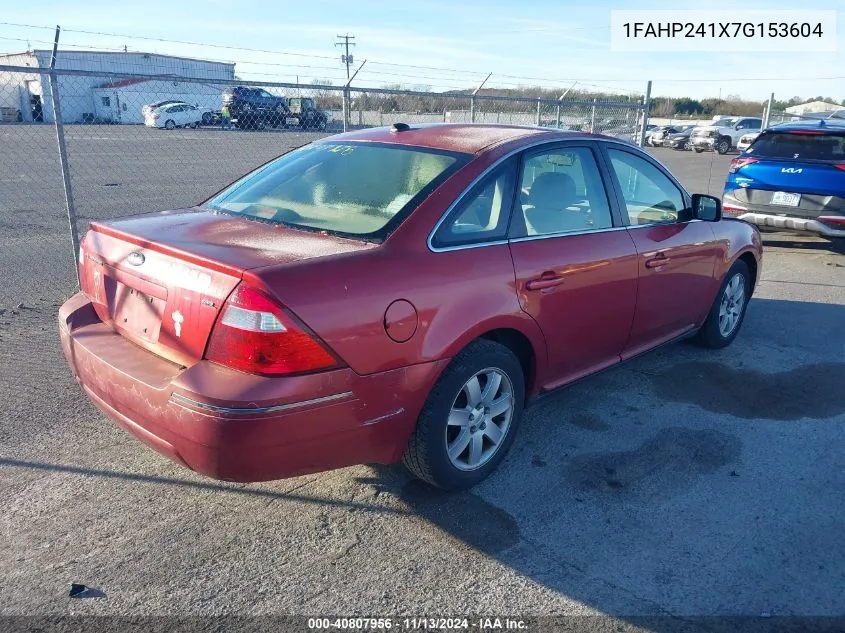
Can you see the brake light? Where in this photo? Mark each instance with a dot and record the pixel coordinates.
(256, 335)
(836, 219)
(730, 210)
(738, 163)
(842, 167)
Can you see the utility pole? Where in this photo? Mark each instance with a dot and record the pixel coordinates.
(346, 58)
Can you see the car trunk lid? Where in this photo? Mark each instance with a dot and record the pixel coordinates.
(161, 279)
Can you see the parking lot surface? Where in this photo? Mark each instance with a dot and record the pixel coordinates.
(686, 482)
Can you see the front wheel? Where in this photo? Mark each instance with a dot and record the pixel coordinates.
(170, 124)
(723, 146)
(698, 150)
(470, 418)
(728, 310)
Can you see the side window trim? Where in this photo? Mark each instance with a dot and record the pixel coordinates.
(492, 172)
(617, 186)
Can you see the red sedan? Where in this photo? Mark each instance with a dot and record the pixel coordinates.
(396, 294)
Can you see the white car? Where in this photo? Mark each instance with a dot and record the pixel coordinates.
(173, 116)
(746, 140)
(151, 107)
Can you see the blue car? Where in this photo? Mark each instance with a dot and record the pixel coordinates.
(791, 178)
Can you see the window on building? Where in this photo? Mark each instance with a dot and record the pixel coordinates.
(106, 102)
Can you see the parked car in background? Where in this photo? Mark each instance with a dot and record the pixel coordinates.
(255, 107)
(723, 135)
(679, 140)
(791, 178)
(315, 314)
(745, 141)
(658, 135)
(174, 115)
(147, 109)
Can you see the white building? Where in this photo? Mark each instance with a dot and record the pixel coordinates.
(108, 92)
(813, 107)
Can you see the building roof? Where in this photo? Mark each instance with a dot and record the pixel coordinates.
(817, 106)
(61, 52)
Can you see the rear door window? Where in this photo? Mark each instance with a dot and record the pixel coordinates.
(800, 145)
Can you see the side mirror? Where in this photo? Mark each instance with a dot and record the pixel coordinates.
(706, 208)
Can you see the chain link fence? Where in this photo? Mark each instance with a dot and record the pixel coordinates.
(93, 145)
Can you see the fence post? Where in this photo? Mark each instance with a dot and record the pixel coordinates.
(345, 108)
(593, 118)
(472, 109)
(538, 112)
(768, 111)
(381, 115)
(60, 139)
(646, 108)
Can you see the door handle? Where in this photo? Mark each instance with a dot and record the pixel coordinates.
(658, 260)
(548, 279)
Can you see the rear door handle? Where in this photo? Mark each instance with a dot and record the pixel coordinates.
(658, 260)
(548, 279)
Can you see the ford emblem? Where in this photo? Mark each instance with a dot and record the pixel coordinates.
(135, 258)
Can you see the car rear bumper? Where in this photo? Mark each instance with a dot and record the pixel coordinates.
(765, 216)
(238, 427)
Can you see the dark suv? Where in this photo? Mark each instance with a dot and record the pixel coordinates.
(257, 108)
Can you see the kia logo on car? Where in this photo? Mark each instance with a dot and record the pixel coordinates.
(135, 258)
(791, 170)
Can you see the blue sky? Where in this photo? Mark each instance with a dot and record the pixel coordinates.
(531, 42)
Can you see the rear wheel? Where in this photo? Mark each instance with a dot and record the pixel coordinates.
(728, 310)
(470, 418)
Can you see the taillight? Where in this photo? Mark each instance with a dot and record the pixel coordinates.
(738, 163)
(254, 334)
(730, 210)
(842, 167)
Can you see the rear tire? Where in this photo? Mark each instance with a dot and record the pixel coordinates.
(728, 311)
(473, 411)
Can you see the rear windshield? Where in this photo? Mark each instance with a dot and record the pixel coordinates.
(825, 146)
(355, 189)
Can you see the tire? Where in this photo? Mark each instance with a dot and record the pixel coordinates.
(723, 145)
(170, 124)
(698, 150)
(427, 456)
(194, 125)
(714, 334)
(206, 118)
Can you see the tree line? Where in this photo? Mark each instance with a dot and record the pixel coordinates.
(459, 99)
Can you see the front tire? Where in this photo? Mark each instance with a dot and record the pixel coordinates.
(723, 145)
(170, 124)
(728, 310)
(470, 418)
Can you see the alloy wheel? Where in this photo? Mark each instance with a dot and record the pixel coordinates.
(732, 304)
(479, 419)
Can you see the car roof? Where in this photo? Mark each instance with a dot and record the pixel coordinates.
(821, 125)
(470, 138)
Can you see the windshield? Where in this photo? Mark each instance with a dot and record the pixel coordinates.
(354, 189)
(809, 145)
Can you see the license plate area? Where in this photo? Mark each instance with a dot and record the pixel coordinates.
(785, 199)
(292, 120)
(137, 313)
